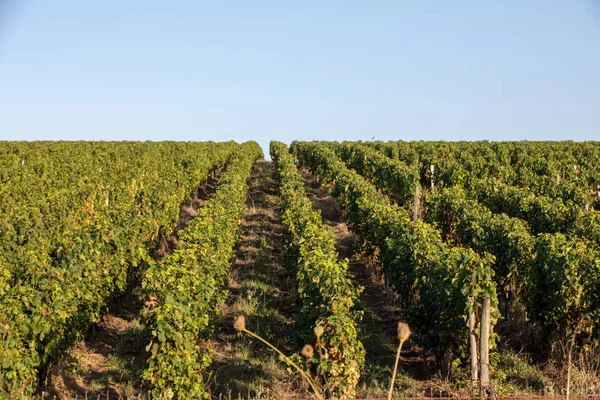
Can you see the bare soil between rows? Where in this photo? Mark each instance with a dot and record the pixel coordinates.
(261, 289)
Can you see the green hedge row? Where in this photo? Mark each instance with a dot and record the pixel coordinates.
(185, 290)
(395, 178)
(327, 296)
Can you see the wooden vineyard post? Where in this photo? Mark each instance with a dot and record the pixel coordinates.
(473, 345)
(570, 346)
(416, 206)
(569, 368)
(484, 357)
(507, 297)
(431, 170)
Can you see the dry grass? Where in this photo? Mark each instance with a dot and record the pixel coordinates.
(260, 289)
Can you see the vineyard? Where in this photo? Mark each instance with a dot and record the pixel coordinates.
(198, 270)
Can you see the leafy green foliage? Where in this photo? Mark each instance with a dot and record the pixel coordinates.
(434, 280)
(554, 276)
(396, 179)
(468, 172)
(465, 222)
(74, 218)
(565, 294)
(565, 170)
(185, 290)
(327, 296)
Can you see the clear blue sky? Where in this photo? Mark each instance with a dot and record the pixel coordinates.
(262, 70)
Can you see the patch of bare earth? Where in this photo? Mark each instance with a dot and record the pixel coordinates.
(416, 375)
(261, 290)
(106, 363)
(111, 358)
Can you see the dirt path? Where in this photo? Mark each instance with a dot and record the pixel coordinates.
(111, 358)
(378, 327)
(261, 290)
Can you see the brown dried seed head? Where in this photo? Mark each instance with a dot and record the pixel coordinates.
(282, 358)
(319, 330)
(307, 351)
(239, 323)
(403, 331)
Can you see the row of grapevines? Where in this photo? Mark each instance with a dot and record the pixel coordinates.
(475, 160)
(550, 170)
(185, 290)
(544, 214)
(544, 158)
(547, 169)
(53, 190)
(571, 160)
(555, 277)
(84, 213)
(523, 262)
(327, 296)
(517, 253)
(437, 282)
(395, 178)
